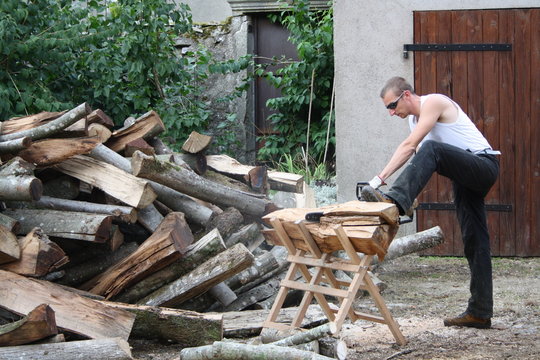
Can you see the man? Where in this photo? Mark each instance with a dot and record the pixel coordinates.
(444, 140)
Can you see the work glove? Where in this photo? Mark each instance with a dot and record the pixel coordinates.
(376, 182)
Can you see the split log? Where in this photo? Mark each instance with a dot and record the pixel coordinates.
(175, 200)
(15, 145)
(95, 117)
(196, 143)
(118, 212)
(28, 122)
(113, 181)
(51, 151)
(138, 144)
(248, 323)
(205, 276)
(116, 239)
(82, 272)
(146, 126)
(9, 223)
(24, 188)
(39, 255)
(64, 224)
(194, 185)
(51, 127)
(38, 324)
(186, 328)
(100, 132)
(10, 249)
(99, 349)
(208, 246)
(231, 351)
(277, 180)
(73, 312)
(167, 244)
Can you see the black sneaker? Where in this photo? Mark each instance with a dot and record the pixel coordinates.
(370, 194)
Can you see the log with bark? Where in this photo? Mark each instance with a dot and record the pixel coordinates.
(10, 249)
(205, 276)
(51, 127)
(168, 243)
(118, 212)
(73, 312)
(117, 183)
(39, 255)
(24, 188)
(99, 349)
(194, 211)
(140, 145)
(28, 122)
(64, 224)
(186, 328)
(9, 223)
(15, 145)
(51, 151)
(208, 246)
(231, 351)
(40, 323)
(277, 180)
(146, 126)
(194, 185)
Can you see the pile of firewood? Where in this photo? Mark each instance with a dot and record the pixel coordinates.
(106, 235)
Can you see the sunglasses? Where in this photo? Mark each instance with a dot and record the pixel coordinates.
(394, 103)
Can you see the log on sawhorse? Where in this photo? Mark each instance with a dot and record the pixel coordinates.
(324, 264)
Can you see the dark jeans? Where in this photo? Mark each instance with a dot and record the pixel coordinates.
(472, 176)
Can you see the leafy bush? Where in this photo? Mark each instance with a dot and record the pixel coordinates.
(119, 56)
(312, 33)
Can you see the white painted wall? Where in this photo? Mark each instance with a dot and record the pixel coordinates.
(209, 11)
(368, 44)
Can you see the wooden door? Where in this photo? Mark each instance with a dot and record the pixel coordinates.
(500, 91)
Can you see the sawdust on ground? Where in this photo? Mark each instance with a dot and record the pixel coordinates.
(420, 292)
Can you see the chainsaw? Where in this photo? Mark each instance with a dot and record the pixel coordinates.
(315, 216)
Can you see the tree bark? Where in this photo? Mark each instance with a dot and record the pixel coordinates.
(99, 349)
(118, 212)
(194, 185)
(15, 145)
(73, 312)
(305, 336)
(253, 296)
(249, 235)
(39, 256)
(233, 351)
(186, 328)
(205, 276)
(222, 293)
(168, 243)
(82, 272)
(113, 181)
(28, 122)
(414, 243)
(205, 248)
(53, 126)
(175, 200)
(23, 188)
(10, 249)
(150, 218)
(38, 324)
(64, 224)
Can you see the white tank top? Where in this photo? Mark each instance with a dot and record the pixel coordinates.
(461, 133)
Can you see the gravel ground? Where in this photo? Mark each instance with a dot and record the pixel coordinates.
(421, 292)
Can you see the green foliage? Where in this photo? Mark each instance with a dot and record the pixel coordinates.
(312, 33)
(296, 165)
(119, 56)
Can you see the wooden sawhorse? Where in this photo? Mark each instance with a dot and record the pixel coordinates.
(324, 264)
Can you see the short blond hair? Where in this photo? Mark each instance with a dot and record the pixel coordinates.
(398, 85)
